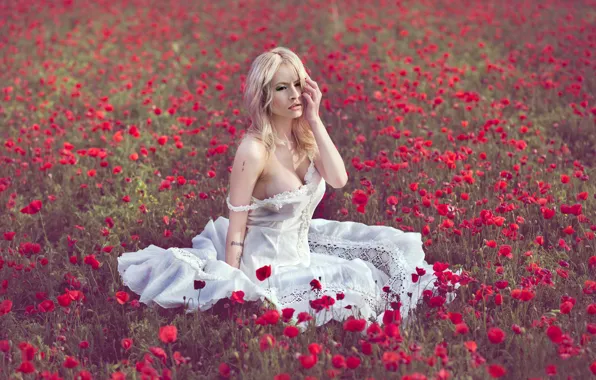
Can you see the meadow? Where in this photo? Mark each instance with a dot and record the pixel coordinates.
(473, 123)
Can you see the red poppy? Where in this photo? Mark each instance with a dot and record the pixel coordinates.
(92, 261)
(46, 306)
(122, 297)
(264, 272)
(496, 335)
(237, 296)
(359, 197)
(168, 334)
(315, 348)
(291, 331)
(26, 367)
(471, 345)
(439, 267)
(4, 345)
(496, 371)
(224, 370)
(64, 300)
(307, 361)
(304, 317)
(126, 343)
(5, 307)
(461, 328)
(266, 342)
(338, 361)
(391, 316)
(455, 318)
(70, 362)
(353, 362)
(271, 316)
(287, 313)
(555, 334)
(162, 140)
(354, 325)
(505, 250)
(33, 208)
(159, 353)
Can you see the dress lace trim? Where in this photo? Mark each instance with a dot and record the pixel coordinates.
(195, 263)
(279, 199)
(383, 254)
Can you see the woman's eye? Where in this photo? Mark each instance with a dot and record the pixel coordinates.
(283, 87)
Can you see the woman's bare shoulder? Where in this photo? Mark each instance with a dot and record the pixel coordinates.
(251, 147)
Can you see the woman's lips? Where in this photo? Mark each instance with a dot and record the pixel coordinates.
(296, 106)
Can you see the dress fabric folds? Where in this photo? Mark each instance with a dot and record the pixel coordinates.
(346, 257)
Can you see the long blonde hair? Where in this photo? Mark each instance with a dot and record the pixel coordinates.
(258, 97)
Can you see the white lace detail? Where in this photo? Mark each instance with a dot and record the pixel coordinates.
(305, 216)
(280, 199)
(383, 254)
(195, 263)
(240, 208)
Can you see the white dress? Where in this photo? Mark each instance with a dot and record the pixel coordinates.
(353, 258)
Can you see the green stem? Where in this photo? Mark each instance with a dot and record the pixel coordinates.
(44, 230)
(173, 364)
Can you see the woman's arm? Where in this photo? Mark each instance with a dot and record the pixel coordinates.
(249, 163)
(328, 162)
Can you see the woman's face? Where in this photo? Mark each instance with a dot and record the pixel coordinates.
(286, 91)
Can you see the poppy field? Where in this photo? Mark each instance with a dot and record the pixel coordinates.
(473, 123)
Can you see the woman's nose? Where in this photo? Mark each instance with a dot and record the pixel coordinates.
(296, 92)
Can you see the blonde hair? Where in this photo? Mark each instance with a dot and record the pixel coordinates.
(258, 96)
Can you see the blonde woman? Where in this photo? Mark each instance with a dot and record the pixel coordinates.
(270, 247)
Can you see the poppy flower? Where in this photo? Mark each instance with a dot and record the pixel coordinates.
(338, 361)
(555, 334)
(354, 325)
(70, 362)
(304, 317)
(264, 272)
(46, 306)
(237, 296)
(287, 313)
(126, 343)
(5, 307)
(266, 342)
(291, 331)
(496, 335)
(496, 371)
(353, 362)
(224, 370)
(307, 361)
(461, 328)
(315, 284)
(168, 334)
(122, 297)
(271, 316)
(26, 367)
(32, 208)
(64, 300)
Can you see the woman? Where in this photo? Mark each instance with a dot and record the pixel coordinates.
(270, 247)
